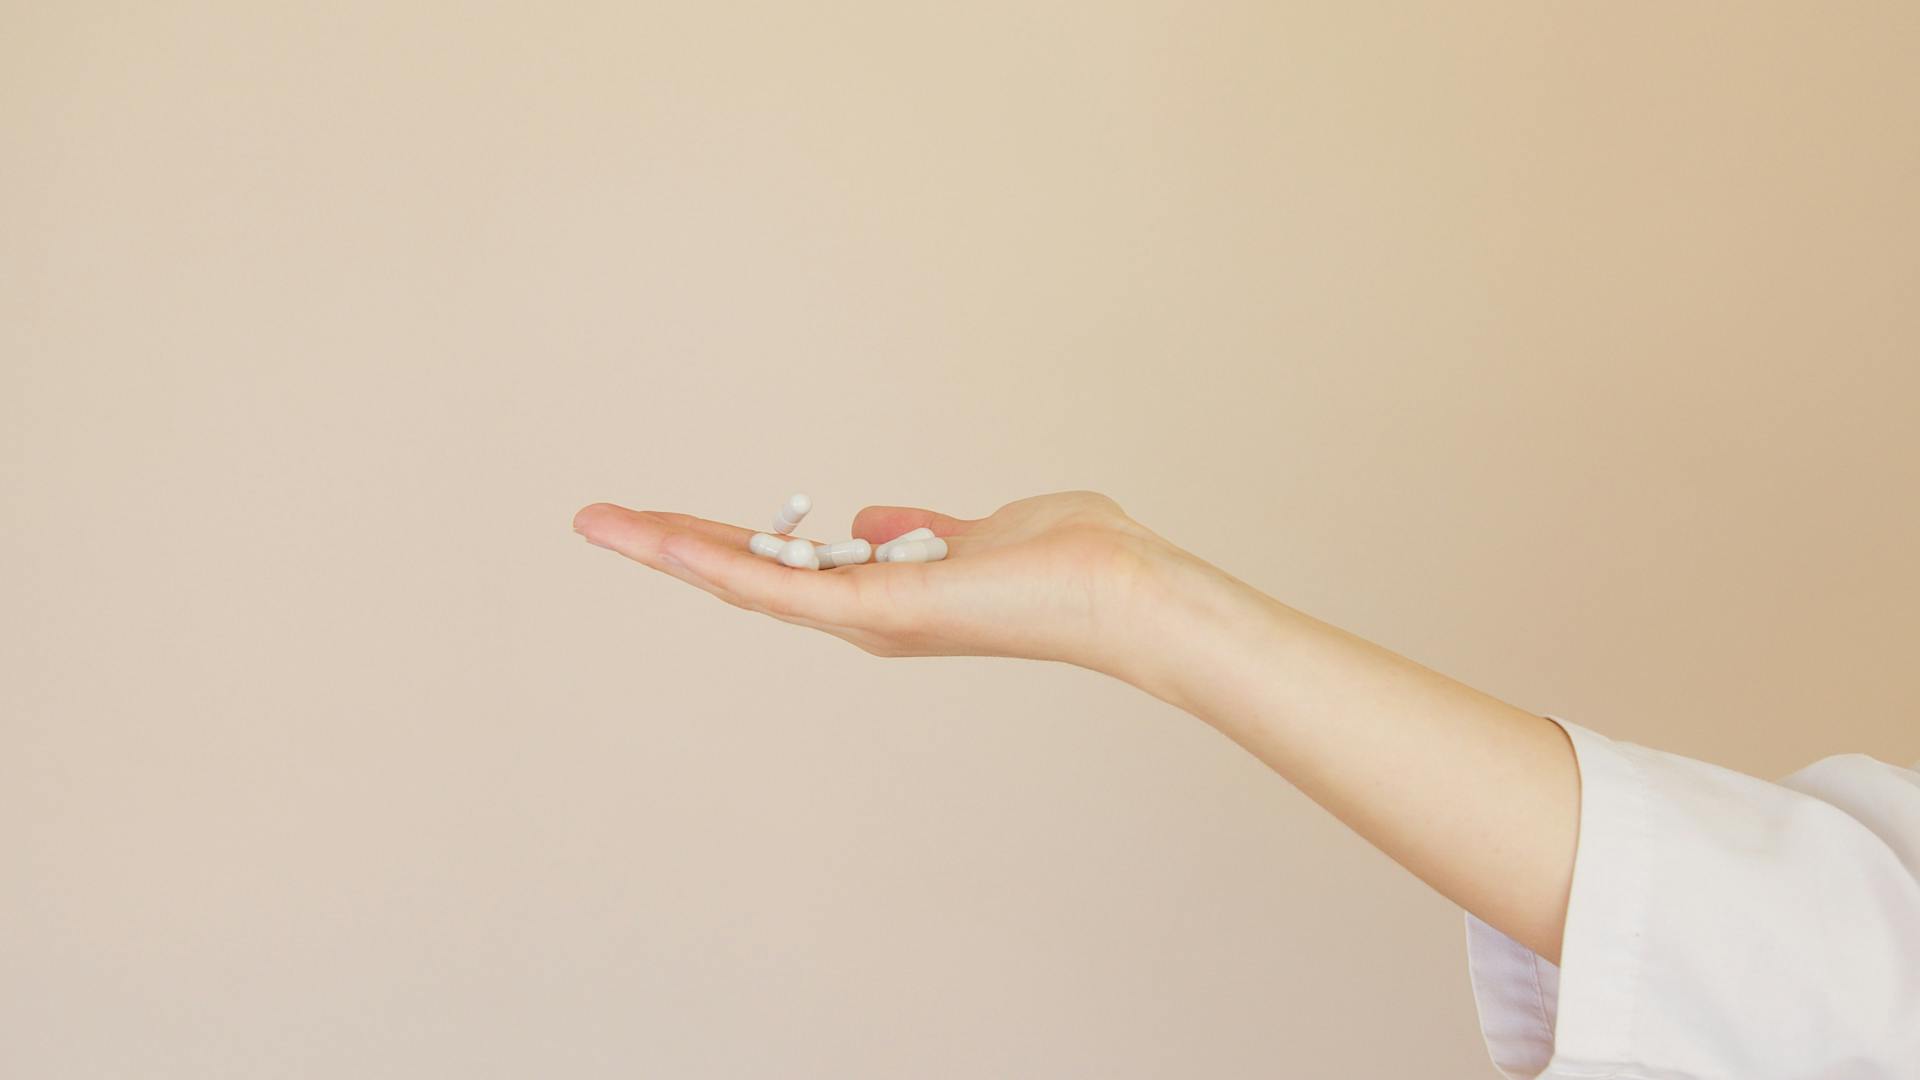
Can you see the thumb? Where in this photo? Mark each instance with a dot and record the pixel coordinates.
(878, 524)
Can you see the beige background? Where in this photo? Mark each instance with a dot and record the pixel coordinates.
(1572, 352)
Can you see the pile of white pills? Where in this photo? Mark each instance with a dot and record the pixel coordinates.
(920, 545)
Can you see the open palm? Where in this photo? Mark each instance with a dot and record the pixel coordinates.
(1054, 577)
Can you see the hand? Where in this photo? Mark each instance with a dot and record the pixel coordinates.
(1062, 577)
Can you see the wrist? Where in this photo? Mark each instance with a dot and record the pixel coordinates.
(1189, 621)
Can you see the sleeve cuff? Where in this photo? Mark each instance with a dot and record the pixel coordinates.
(1719, 925)
(1520, 996)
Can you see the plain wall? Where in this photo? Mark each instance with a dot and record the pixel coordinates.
(1569, 350)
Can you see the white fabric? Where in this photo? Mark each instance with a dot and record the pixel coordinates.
(1720, 926)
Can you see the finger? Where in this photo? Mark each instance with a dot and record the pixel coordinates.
(734, 574)
(639, 531)
(718, 531)
(878, 524)
(713, 556)
(730, 535)
(640, 534)
(633, 533)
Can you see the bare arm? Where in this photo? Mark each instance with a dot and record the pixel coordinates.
(1477, 798)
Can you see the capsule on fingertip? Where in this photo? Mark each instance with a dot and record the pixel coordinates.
(765, 545)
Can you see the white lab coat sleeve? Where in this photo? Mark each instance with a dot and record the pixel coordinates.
(1720, 926)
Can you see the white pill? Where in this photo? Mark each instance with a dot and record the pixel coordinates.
(917, 550)
(765, 545)
(799, 554)
(791, 513)
(844, 553)
(882, 553)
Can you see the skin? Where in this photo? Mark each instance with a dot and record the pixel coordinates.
(1478, 798)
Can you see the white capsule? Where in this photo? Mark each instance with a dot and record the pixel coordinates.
(917, 551)
(765, 545)
(791, 513)
(844, 553)
(884, 552)
(799, 555)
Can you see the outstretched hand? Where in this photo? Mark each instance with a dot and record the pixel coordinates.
(1478, 798)
(1054, 577)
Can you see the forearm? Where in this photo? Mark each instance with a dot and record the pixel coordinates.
(1477, 798)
